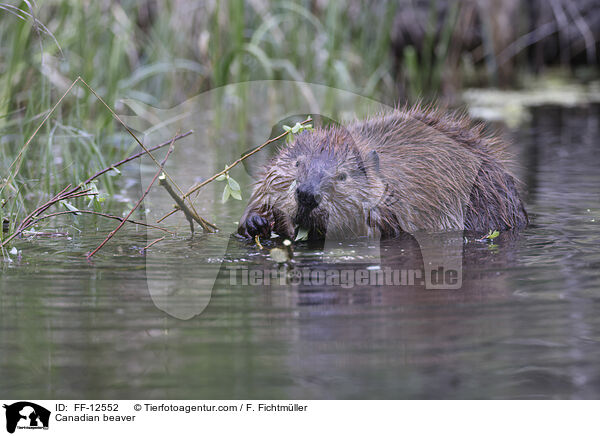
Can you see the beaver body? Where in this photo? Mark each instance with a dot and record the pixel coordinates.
(409, 170)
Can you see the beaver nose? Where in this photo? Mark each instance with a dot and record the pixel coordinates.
(307, 197)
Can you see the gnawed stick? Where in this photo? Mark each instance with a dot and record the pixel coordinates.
(111, 234)
(114, 114)
(189, 214)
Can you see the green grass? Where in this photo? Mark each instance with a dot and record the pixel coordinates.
(163, 52)
(423, 73)
(160, 55)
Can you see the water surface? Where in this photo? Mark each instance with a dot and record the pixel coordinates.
(524, 325)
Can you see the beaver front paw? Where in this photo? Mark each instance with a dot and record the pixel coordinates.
(257, 225)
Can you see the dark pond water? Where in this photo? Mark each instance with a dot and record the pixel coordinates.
(525, 323)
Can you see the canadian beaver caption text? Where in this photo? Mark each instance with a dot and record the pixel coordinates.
(123, 412)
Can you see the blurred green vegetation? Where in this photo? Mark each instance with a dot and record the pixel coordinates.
(161, 53)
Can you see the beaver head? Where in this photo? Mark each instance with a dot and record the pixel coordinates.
(333, 180)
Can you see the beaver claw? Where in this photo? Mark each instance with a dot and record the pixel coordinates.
(257, 225)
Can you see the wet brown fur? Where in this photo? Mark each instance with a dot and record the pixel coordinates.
(408, 170)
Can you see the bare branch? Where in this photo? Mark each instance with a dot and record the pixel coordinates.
(111, 234)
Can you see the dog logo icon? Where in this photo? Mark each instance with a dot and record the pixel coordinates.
(26, 415)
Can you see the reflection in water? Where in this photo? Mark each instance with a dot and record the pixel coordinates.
(524, 324)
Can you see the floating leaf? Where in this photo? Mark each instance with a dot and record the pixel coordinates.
(490, 235)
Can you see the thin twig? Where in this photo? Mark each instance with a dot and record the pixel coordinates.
(135, 156)
(77, 191)
(16, 164)
(17, 161)
(114, 114)
(137, 140)
(111, 234)
(64, 194)
(238, 161)
(61, 196)
(168, 215)
(43, 207)
(152, 243)
(198, 186)
(190, 215)
(93, 212)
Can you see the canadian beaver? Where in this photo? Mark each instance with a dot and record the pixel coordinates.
(411, 169)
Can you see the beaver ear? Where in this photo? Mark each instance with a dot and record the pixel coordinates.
(372, 160)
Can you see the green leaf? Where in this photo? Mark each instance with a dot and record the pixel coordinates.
(296, 128)
(287, 128)
(70, 207)
(236, 194)
(221, 178)
(226, 193)
(492, 234)
(93, 190)
(233, 184)
(302, 235)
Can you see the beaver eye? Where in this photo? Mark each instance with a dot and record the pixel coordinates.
(342, 176)
(297, 163)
